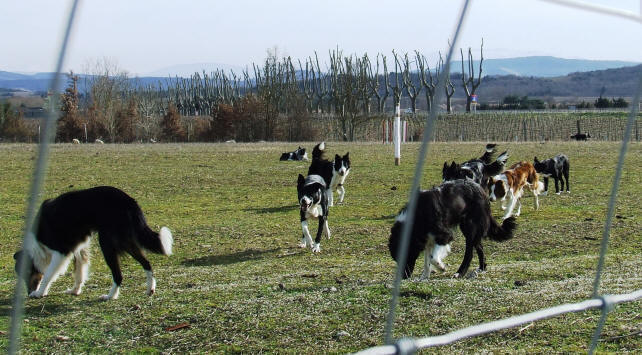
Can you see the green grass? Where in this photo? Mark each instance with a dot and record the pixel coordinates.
(240, 281)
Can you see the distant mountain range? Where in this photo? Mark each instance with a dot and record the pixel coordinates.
(531, 76)
(540, 66)
(187, 70)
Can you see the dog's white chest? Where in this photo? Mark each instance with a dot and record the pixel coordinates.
(314, 211)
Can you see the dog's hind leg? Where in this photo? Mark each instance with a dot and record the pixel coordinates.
(81, 269)
(470, 231)
(151, 281)
(112, 260)
(328, 192)
(57, 266)
(480, 254)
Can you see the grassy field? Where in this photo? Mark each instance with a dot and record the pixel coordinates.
(241, 283)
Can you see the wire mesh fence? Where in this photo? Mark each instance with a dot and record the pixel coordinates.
(405, 345)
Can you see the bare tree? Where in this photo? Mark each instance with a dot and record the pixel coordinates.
(107, 84)
(380, 92)
(470, 80)
(397, 89)
(428, 81)
(412, 88)
(449, 86)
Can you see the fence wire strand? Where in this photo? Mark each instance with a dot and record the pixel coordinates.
(414, 191)
(49, 132)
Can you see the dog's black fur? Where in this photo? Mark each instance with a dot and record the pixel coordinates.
(66, 222)
(297, 155)
(332, 172)
(313, 203)
(320, 165)
(478, 170)
(557, 167)
(581, 136)
(454, 203)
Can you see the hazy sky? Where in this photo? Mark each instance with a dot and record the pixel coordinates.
(144, 36)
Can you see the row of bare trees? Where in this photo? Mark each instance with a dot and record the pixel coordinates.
(348, 88)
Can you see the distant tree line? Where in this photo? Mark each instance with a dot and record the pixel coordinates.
(280, 99)
(276, 100)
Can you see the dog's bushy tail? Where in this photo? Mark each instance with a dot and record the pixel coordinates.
(487, 158)
(497, 167)
(156, 242)
(504, 232)
(318, 150)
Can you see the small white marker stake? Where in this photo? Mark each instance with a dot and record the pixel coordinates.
(397, 134)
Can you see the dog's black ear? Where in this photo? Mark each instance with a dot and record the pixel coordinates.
(445, 165)
(535, 160)
(337, 157)
(301, 180)
(453, 165)
(347, 156)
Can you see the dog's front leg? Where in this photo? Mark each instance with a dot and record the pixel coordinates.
(425, 275)
(57, 266)
(307, 238)
(342, 192)
(316, 247)
(330, 197)
(512, 200)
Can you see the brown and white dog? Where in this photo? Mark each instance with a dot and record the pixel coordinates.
(510, 184)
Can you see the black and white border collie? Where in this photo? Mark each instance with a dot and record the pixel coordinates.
(581, 136)
(454, 203)
(297, 155)
(557, 168)
(313, 203)
(334, 173)
(478, 170)
(64, 227)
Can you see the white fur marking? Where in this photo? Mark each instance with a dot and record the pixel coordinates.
(113, 293)
(57, 266)
(151, 282)
(167, 240)
(316, 248)
(326, 229)
(306, 234)
(438, 253)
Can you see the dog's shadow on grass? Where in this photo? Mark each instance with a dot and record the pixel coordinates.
(271, 209)
(384, 218)
(227, 259)
(34, 308)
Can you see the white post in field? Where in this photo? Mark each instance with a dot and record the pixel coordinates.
(397, 134)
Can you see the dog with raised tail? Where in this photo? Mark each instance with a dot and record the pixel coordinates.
(478, 170)
(455, 203)
(63, 230)
(334, 173)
